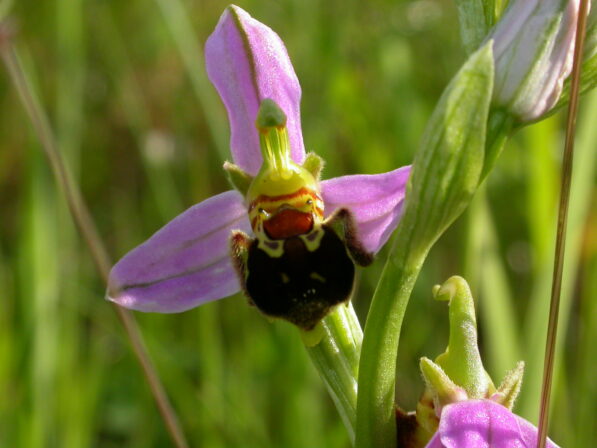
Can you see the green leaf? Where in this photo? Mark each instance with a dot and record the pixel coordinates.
(474, 17)
(334, 347)
(445, 175)
(448, 165)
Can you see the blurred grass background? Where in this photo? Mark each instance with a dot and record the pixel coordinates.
(145, 136)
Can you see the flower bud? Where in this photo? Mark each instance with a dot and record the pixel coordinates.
(588, 71)
(458, 380)
(533, 49)
(447, 167)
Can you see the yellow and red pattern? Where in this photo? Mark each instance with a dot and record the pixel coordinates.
(287, 215)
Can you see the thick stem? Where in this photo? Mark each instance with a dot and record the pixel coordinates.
(376, 420)
(445, 174)
(336, 357)
(499, 126)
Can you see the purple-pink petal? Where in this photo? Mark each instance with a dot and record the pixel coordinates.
(247, 63)
(483, 424)
(375, 201)
(184, 264)
(533, 49)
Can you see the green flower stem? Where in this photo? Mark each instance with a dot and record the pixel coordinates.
(445, 174)
(499, 127)
(334, 347)
(377, 375)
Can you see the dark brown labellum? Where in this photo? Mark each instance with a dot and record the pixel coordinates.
(300, 285)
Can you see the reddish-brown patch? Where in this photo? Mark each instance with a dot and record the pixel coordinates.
(407, 428)
(288, 223)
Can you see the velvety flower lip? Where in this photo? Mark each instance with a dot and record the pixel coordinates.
(483, 424)
(188, 262)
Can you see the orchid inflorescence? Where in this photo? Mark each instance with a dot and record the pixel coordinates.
(290, 241)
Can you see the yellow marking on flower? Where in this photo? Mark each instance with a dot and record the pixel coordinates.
(304, 200)
(313, 239)
(279, 174)
(284, 198)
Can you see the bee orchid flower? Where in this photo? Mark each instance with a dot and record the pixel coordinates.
(461, 407)
(286, 239)
(483, 424)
